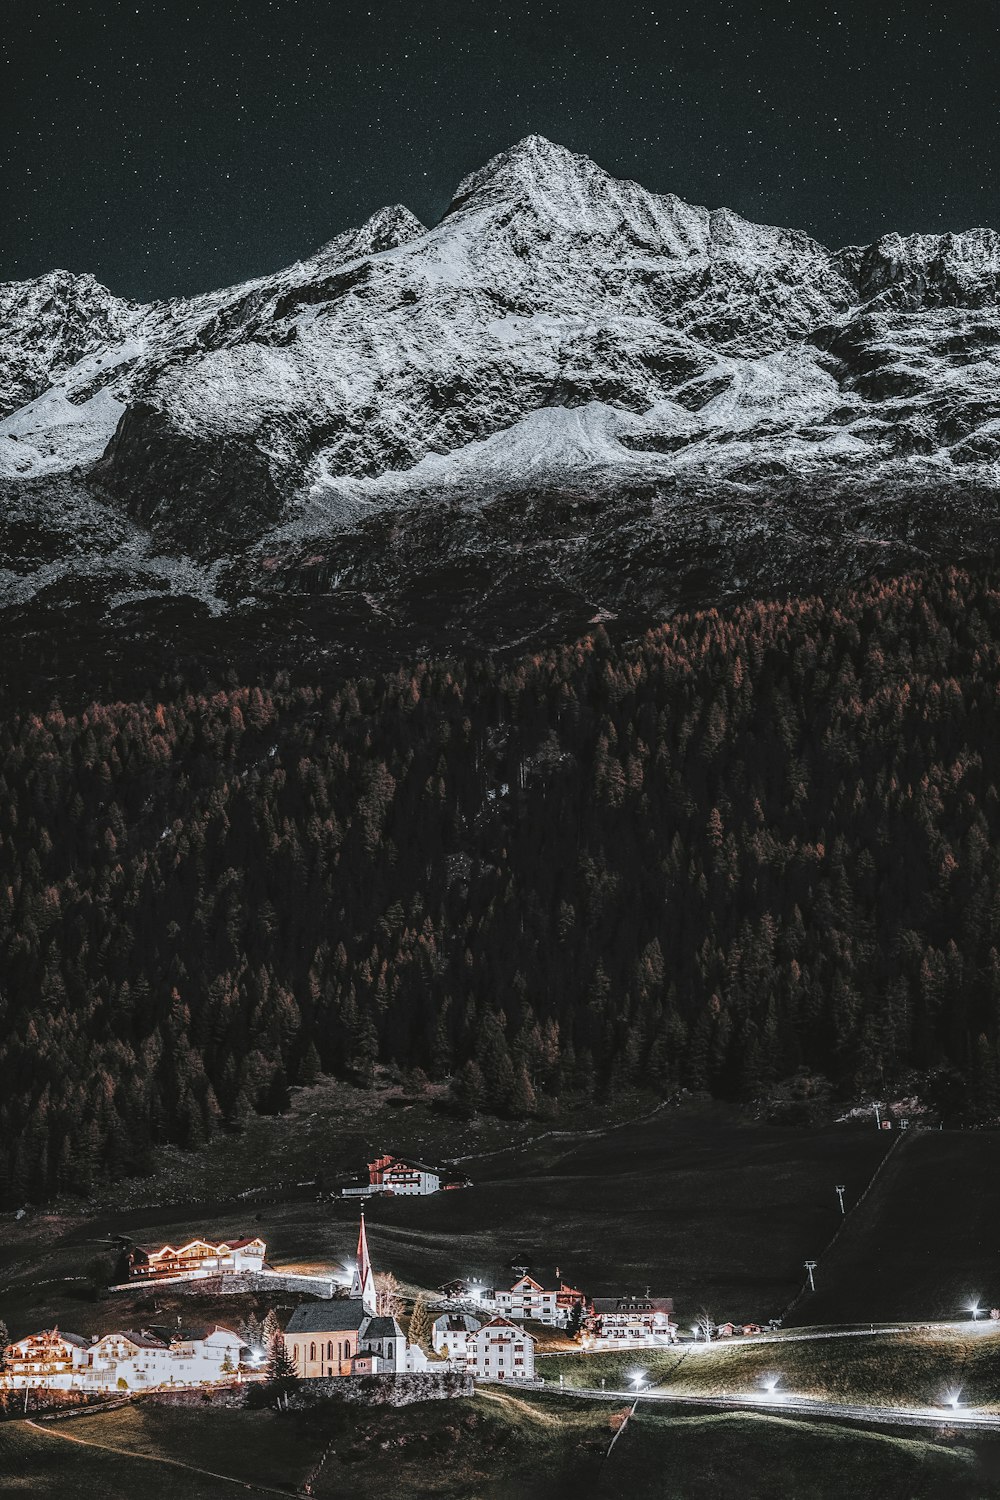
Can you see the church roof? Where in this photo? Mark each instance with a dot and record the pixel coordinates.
(340, 1315)
(382, 1328)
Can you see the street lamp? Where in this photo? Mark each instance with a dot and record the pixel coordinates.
(638, 1378)
(840, 1189)
(810, 1267)
(771, 1383)
(974, 1310)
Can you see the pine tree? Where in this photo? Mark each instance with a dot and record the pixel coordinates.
(420, 1323)
(281, 1371)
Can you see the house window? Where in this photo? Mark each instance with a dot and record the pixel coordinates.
(329, 1349)
(312, 1351)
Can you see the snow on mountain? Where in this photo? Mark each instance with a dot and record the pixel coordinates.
(558, 329)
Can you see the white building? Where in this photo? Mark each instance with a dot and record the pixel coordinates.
(451, 1333)
(125, 1360)
(631, 1319)
(49, 1359)
(527, 1298)
(129, 1360)
(391, 1174)
(501, 1351)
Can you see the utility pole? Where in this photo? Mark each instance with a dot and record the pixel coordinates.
(810, 1267)
(840, 1194)
(878, 1117)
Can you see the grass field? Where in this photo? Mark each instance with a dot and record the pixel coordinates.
(924, 1244)
(726, 1457)
(898, 1369)
(494, 1446)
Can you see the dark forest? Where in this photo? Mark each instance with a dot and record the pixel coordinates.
(759, 841)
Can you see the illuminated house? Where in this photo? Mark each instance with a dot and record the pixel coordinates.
(391, 1174)
(631, 1319)
(195, 1258)
(128, 1359)
(500, 1350)
(529, 1298)
(451, 1333)
(49, 1360)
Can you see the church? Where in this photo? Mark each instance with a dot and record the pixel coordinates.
(348, 1336)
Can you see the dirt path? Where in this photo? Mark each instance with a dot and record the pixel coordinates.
(152, 1458)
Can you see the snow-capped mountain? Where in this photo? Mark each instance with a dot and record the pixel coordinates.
(568, 381)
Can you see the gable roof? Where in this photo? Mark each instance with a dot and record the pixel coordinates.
(339, 1315)
(506, 1328)
(381, 1328)
(144, 1339)
(633, 1304)
(51, 1335)
(457, 1323)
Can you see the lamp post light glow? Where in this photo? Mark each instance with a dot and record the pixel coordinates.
(637, 1379)
(974, 1310)
(771, 1383)
(954, 1399)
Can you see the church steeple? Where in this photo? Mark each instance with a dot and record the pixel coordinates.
(363, 1285)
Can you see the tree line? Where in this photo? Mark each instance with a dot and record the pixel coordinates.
(757, 840)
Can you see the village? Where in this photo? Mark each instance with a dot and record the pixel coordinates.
(349, 1327)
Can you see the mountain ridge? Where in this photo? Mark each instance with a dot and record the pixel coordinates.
(718, 393)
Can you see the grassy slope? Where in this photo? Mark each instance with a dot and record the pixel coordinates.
(923, 1244)
(902, 1369)
(726, 1457)
(496, 1446)
(260, 1449)
(696, 1202)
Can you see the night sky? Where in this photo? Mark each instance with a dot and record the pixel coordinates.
(171, 147)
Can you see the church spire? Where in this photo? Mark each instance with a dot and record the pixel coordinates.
(363, 1285)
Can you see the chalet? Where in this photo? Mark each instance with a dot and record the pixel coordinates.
(127, 1359)
(49, 1359)
(200, 1353)
(135, 1360)
(346, 1336)
(195, 1259)
(631, 1319)
(500, 1350)
(451, 1332)
(529, 1299)
(391, 1174)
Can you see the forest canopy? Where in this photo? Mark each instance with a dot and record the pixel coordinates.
(759, 839)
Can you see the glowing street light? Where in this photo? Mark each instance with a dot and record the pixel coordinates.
(638, 1378)
(771, 1383)
(974, 1310)
(953, 1399)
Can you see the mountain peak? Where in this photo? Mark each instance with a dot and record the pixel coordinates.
(386, 229)
(533, 166)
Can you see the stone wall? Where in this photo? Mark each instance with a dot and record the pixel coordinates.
(383, 1390)
(217, 1395)
(12, 1402)
(249, 1281)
